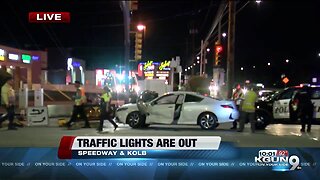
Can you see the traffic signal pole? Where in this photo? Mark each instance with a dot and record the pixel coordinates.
(230, 51)
(126, 17)
(201, 58)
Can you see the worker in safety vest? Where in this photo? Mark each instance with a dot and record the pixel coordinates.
(78, 108)
(105, 109)
(237, 96)
(247, 110)
(8, 101)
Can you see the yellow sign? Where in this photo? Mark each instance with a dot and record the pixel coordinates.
(285, 80)
(1, 58)
(147, 64)
(163, 65)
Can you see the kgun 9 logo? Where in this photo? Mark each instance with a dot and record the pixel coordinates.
(278, 158)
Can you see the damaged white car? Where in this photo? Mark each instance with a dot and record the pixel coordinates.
(179, 108)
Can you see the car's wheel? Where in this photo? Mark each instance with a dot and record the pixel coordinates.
(135, 120)
(207, 120)
(263, 120)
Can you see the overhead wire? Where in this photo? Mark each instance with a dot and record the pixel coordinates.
(23, 26)
(213, 36)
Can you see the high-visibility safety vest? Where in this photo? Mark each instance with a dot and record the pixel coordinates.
(80, 97)
(7, 95)
(106, 97)
(248, 104)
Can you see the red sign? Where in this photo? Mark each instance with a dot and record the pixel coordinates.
(49, 17)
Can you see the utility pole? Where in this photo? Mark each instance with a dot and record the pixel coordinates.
(201, 58)
(230, 51)
(205, 59)
(193, 31)
(126, 17)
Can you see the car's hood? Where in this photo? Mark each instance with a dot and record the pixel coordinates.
(130, 105)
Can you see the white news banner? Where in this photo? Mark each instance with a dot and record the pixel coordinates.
(37, 116)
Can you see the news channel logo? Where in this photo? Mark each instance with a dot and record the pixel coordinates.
(279, 160)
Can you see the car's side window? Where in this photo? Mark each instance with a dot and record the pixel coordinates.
(287, 94)
(168, 99)
(315, 94)
(180, 99)
(192, 98)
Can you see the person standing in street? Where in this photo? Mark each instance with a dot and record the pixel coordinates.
(8, 101)
(305, 108)
(105, 109)
(78, 108)
(237, 96)
(247, 110)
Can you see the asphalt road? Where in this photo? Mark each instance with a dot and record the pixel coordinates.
(276, 135)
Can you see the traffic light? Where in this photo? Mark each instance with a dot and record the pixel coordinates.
(138, 46)
(218, 54)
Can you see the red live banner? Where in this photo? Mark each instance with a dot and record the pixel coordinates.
(49, 17)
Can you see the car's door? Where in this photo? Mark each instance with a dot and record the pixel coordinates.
(315, 96)
(281, 104)
(162, 109)
(188, 115)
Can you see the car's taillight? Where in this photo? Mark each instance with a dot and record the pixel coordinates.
(227, 106)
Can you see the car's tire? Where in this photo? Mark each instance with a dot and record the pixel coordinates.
(207, 120)
(145, 125)
(135, 120)
(263, 120)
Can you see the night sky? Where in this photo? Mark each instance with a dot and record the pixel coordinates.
(269, 32)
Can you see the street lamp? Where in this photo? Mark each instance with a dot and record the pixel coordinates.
(258, 2)
(198, 62)
(208, 50)
(319, 54)
(185, 69)
(253, 67)
(189, 68)
(269, 64)
(224, 35)
(194, 64)
(198, 57)
(241, 68)
(287, 61)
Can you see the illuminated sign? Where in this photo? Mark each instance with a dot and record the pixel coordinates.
(13, 56)
(99, 72)
(26, 58)
(148, 65)
(1, 52)
(165, 66)
(35, 58)
(69, 64)
(1, 55)
(76, 64)
(148, 74)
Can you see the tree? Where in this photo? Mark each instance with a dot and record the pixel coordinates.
(198, 84)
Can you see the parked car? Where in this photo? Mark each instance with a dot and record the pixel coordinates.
(280, 106)
(264, 94)
(179, 108)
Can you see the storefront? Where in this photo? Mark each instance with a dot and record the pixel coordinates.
(25, 66)
(114, 80)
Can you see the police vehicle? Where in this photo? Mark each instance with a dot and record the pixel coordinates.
(281, 106)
